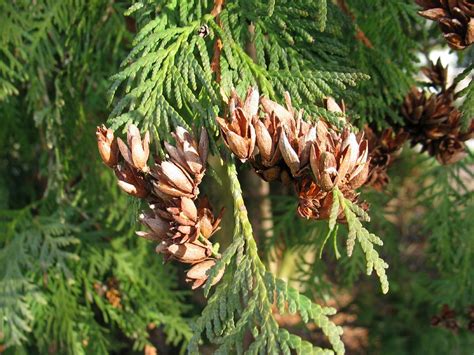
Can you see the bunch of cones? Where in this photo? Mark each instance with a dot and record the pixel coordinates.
(384, 148)
(282, 146)
(455, 18)
(176, 219)
(433, 121)
(450, 319)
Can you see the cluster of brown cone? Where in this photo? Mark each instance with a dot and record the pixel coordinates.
(281, 146)
(455, 18)
(176, 219)
(384, 148)
(433, 121)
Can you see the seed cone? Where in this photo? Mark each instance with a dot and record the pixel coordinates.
(384, 147)
(197, 275)
(180, 221)
(340, 161)
(291, 150)
(180, 224)
(315, 203)
(290, 132)
(172, 180)
(137, 151)
(189, 154)
(433, 121)
(107, 145)
(237, 130)
(437, 74)
(311, 200)
(131, 181)
(455, 19)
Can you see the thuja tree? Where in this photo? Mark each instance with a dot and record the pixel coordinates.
(263, 154)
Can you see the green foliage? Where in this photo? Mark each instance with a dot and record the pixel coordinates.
(357, 232)
(467, 107)
(66, 232)
(243, 301)
(391, 60)
(167, 76)
(446, 189)
(64, 226)
(48, 291)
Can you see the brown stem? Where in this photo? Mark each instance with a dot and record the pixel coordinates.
(360, 35)
(216, 57)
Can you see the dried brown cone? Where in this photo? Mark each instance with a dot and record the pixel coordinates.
(451, 147)
(186, 253)
(113, 294)
(179, 221)
(424, 114)
(132, 181)
(180, 175)
(455, 18)
(268, 163)
(437, 74)
(311, 200)
(340, 161)
(293, 135)
(198, 274)
(107, 146)
(433, 121)
(188, 153)
(315, 203)
(267, 136)
(181, 228)
(171, 180)
(136, 151)
(237, 130)
(384, 147)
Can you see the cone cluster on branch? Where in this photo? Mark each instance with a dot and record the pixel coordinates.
(384, 147)
(281, 146)
(176, 219)
(432, 120)
(455, 18)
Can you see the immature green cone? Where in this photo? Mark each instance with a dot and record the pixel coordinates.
(455, 18)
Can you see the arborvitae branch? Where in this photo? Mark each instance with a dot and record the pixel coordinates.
(366, 239)
(245, 298)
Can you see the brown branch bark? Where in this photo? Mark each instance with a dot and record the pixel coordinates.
(360, 35)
